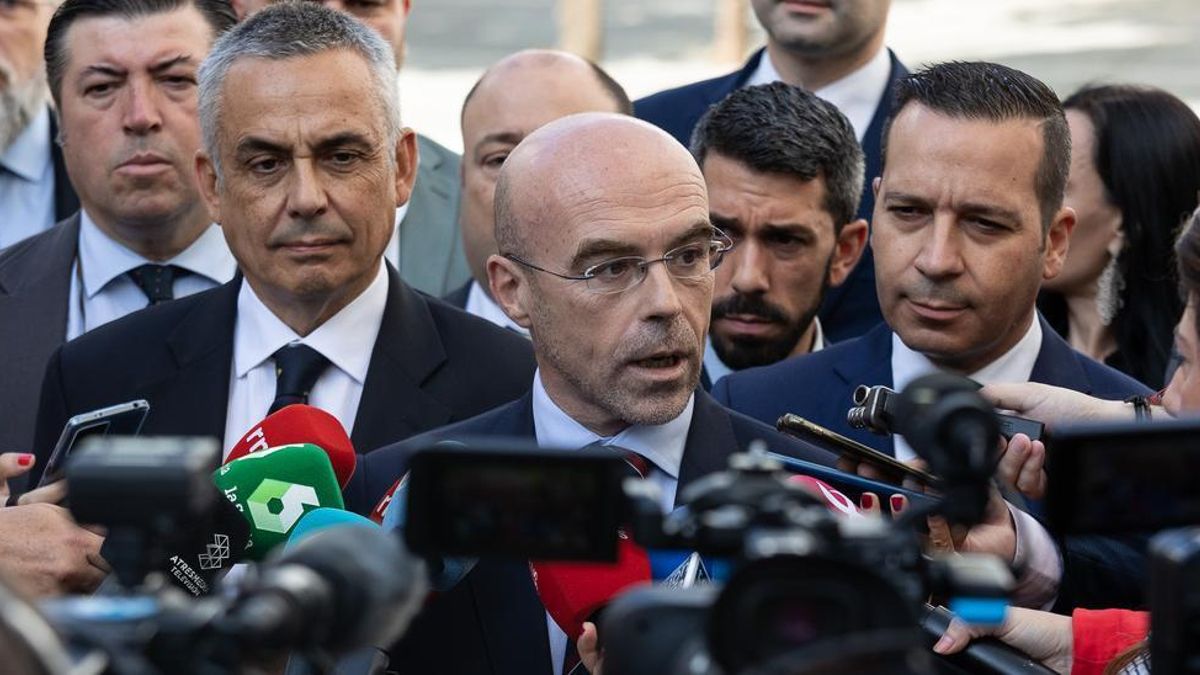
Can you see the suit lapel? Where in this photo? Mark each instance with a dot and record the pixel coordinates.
(427, 243)
(869, 363)
(1057, 364)
(710, 441)
(37, 290)
(407, 352)
(195, 398)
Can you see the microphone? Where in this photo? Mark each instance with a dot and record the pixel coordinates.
(336, 589)
(444, 572)
(575, 592)
(274, 488)
(323, 519)
(300, 423)
(380, 511)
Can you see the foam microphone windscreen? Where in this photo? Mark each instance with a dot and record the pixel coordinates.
(274, 488)
(444, 572)
(573, 592)
(300, 423)
(323, 519)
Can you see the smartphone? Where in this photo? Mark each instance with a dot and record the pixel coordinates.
(852, 449)
(123, 419)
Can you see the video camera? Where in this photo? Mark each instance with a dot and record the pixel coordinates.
(323, 596)
(808, 590)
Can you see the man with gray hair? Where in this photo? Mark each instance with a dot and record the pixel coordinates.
(304, 164)
(35, 192)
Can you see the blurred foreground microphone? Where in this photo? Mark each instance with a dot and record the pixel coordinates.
(300, 423)
(576, 592)
(323, 519)
(273, 488)
(336, 589)
(444, 572)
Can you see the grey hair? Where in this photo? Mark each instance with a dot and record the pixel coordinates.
(287, 30)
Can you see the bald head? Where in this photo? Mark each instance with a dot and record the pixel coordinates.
(514, 97)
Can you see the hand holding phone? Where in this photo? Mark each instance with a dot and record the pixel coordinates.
(853, 451)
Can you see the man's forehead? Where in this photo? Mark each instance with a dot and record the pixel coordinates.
(104, 39)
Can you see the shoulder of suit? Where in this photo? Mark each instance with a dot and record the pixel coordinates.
(62, 235)
(436, 154)
(147, 327)
(462, 323)
(666, 103)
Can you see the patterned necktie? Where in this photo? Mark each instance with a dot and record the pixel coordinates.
(157, 281)
(297, 368)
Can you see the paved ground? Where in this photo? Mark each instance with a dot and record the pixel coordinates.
(653, 44)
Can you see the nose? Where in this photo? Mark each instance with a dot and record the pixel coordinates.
(307, 198)
(941, 252)
(659, 296)
(142, 114)
(750, 267)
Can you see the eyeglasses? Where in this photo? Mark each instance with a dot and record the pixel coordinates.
(690, 261)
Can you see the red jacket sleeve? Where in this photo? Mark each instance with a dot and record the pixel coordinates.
(1100, 635)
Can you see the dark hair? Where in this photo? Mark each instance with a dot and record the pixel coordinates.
(779, 128)
(218, 13)
(610, 86)
(1147, 153)
(989, 91)
(1187, 257)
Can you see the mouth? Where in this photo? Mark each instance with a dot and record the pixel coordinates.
(807, 6)
(936, 311)
(661, 362)
(747, 324)
(305, 246)
(144, 163)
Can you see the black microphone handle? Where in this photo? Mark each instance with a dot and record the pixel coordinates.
(983, 655)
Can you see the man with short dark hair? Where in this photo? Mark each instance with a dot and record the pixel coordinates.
(836, 50)
(304, 162)
(123, 76)
(606, 254)
(784, 175)
(968, 222)
(515, 96)
(425, 247)
(35, 192)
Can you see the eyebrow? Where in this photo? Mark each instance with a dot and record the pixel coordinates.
(594, 248)
(976, 208)
(114, 71)
(512, 137)
(258, 144)
(167, 64)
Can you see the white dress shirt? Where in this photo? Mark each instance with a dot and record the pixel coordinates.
(662, 444)
(717, 369)
(1036, 551)
(392, 252)
(481, 305)
(27, 182)
(347, 339)
(101, 291)
(857, 95)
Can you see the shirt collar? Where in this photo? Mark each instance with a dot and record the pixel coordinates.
(718, 369)
(347, 339)
(662, 444)
(28, 156)
(1016, 365)
(104, 258)
(481, 305)
(857, 94)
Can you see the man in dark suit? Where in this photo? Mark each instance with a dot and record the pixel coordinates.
(516, 95)
(606, 255)
(968, 222)
(35, 192)
(306, 199)
(425, 247)
(143, 235)
(837, 52)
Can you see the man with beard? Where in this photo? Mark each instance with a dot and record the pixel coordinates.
(784, 176)
(35, 192)
(606, 256)
(835, 49)
(123, 76)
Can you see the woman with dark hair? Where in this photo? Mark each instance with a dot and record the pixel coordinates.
(1135, 172)
(1095, 642)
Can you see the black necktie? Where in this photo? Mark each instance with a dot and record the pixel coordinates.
(297, 368)
(157, 281)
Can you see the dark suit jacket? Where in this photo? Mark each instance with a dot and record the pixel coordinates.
(1097, 571)
(431, 365)
(852, 308)
(492, 622)
(35, 287)
(431, 253)
(459, 296)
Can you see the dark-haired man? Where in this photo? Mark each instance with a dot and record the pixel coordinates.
(515, 96)
(123, 76)
(784, 176)
(35, 192)
(835, 49)
(968, 222)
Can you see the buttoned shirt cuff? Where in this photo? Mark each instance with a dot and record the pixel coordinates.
(1039, 561)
